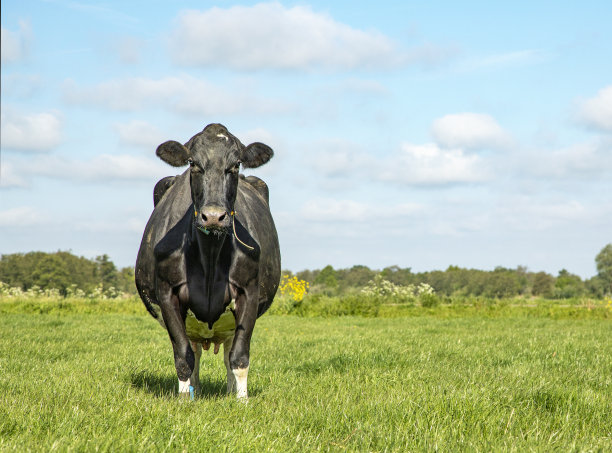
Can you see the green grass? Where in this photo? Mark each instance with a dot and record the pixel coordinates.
(78, 380)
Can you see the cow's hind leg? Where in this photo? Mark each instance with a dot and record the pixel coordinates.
(195, 376)
(231, 379)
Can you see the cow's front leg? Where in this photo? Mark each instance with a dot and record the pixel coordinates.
(184, 358)
(246, 314)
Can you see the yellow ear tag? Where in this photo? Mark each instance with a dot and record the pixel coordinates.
(196, 213)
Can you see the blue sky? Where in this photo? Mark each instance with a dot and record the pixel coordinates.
(418, 134)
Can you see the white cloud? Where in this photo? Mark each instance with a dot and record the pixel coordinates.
(30, 132)
(523, 213)
(102, 168)
(337, 158)
(258, 135)
(596, 112)
(272, 36)
(125, 94)
(503, 60)
(429, 164)
(183, 94)
(469, 131)
(9, 177)
(581, 160)
(20, 85)
(332, 210)
(323, 210)
(426, 164)
(121, 225)
(16, 45)
(129, 49)
(20, 217)
(362, 86)
(139, 133)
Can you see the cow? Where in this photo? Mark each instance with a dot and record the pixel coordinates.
(209, 260)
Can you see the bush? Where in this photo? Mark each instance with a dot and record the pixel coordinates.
(429, 300)
(283, 305)
(381, 288)
(351, 305)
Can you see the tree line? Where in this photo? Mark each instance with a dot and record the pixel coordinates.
(63, 270)
(457, 281)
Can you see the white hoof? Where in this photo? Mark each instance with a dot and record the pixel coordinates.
(186, 389)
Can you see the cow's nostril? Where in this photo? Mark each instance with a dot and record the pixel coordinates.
(213, 216)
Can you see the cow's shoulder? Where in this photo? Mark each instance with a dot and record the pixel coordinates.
(174, 239)
(259, 185)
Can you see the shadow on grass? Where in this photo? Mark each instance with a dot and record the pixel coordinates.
(166, 385)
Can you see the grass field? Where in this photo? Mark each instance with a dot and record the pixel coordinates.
(106, 381)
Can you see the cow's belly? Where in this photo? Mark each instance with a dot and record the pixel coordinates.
(198, 331)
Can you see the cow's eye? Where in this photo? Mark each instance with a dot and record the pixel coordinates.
(190, 162)
(234, 168)
(194, 167)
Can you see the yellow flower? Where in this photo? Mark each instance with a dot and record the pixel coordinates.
(293, 287)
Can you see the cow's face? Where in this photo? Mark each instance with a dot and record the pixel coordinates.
(214, 156)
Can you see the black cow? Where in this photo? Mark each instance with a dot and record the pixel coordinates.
(209, 260)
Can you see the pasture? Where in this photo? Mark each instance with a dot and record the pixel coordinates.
(86, 380)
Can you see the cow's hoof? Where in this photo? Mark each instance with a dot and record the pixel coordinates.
(186, 390)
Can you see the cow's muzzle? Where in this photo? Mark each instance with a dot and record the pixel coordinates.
(212, 218)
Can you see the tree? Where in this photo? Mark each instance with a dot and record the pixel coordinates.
(568, 285)
(107, 272)
(543, 284)
(50, 272)
(604, 266)
(358, 276)
(62, 270)
(327, 277)
(125, 281)
(502, 283)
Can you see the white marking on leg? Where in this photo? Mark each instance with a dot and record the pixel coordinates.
(231, 380)
(241, 375)
(184, 387)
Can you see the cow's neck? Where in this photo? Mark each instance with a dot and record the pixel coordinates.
(209, 249)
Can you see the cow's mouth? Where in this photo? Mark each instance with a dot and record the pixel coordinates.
(207, 230)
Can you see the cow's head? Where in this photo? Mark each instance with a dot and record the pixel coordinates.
(214, 156)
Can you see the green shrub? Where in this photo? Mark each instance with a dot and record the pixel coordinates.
(429, 300)
(283, 305)
(351, 305)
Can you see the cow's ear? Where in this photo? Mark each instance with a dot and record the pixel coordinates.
(255, 155)
(173, 153)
